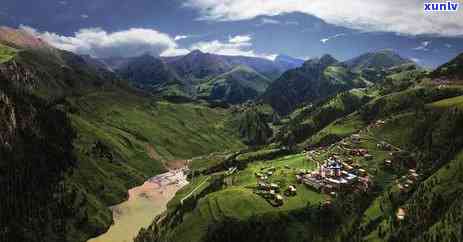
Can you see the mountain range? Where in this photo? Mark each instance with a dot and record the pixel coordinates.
(76, 133)
(284, 83)
(202, 75)
(320, 78)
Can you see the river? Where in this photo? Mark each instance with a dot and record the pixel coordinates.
(144, 204)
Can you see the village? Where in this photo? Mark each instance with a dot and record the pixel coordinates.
(341, 167)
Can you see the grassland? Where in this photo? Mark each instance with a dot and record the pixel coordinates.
(240, 75)
(177, 131)
(6, 53)
(120, 136)
(337, 130)
(122, 142)
(308, 121)
(209, 161)
(448, 103)
(374, 218)
(238, 201)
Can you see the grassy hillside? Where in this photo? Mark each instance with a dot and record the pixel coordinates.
(433, 208)
(74, 138)
(385, 107)
(309, 120)
(252, 125)
(6, 53)
(240, 84)
(422, 126)
(121, 143)
(235, 199)
(117, 136)
(451, 70)
(379, 60)
(233, 212)
(315, 81)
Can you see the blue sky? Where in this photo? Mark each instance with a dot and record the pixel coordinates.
(262, 28)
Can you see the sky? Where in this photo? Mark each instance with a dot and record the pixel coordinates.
(260, 28)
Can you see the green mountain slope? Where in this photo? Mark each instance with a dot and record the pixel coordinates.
(379, 60)
(308, 121)
(121, 143)
(35, 153)
(74, 137)
(148, 71)
(6, 53)
(252, 122)
(217, 78)
(81, 138)
(451, 70)
(240, 84)
(316, 80)
(421, 127)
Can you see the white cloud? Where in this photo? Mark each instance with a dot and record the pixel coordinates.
(175, 52)
(99, 43)
(448, 46)
(84, 16)
(63, 2)
(324, 40)
(180, 37)
(424, 46)
(416, 60)
(240, 39)
(237, 45)
(406, 17)
(135, 42)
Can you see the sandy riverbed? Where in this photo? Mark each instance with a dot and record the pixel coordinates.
(145, 202)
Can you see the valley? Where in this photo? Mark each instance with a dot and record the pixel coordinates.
(209, 147)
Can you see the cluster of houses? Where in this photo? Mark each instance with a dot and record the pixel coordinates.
(338, 172)
(377, 124)
(272, 192)
(264, 175)
(361, 153)
(441, 82)
(408, 180)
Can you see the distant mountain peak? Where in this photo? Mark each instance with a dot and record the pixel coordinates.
(287, 62)
(317, 79)
(196, 52)
(327, 59)
(387, 50)
(322, 62)
(380, 59)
